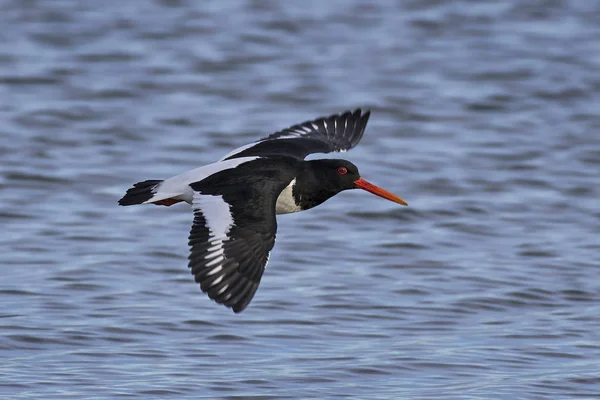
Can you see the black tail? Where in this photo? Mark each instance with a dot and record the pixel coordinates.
(139, 193)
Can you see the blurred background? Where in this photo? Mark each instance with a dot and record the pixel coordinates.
(485, 118)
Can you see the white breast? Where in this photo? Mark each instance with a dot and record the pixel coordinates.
(285, 202)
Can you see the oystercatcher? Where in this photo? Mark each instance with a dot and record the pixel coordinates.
(235, 200)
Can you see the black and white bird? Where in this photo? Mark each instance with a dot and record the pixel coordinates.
(235, 200)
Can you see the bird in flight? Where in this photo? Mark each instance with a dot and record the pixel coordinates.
(235, 200)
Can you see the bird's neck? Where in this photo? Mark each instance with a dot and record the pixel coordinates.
(309, 190)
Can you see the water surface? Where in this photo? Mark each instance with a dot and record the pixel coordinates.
(485, 119)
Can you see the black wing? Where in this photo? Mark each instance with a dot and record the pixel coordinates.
(234, 231)
(335, 133)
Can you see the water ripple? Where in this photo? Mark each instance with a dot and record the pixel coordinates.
(484, 119)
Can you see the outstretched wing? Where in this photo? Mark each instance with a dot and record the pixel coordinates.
(233, 232)
(227, 263)
(335, 133)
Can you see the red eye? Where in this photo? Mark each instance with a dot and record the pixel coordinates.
(342, 170)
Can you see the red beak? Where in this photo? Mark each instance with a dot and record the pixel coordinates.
(369, 187)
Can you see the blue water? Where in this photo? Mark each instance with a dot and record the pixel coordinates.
(484, 118)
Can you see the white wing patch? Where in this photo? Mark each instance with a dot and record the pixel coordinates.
(239, 150)
(217, 214)
(301, 131)
(219, 221)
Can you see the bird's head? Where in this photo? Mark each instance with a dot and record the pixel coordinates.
(338, 175)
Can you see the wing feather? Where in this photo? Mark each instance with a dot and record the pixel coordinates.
(335, 133)
(234, 230)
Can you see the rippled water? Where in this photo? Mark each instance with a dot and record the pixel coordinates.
(485, 119)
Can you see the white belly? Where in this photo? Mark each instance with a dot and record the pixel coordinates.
(285, 202)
